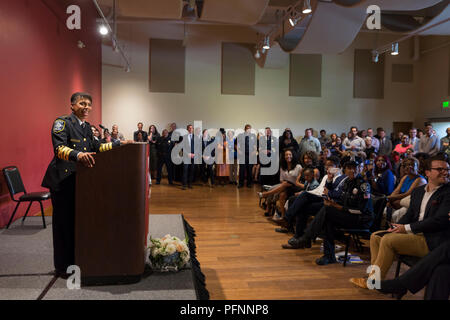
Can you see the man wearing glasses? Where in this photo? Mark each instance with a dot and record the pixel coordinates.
(424, 226)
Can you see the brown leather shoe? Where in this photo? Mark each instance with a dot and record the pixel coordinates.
(359, 282)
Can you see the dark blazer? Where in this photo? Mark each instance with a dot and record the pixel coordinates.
(435, 225)
(144, 135)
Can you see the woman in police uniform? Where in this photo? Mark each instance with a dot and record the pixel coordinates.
(72, 142)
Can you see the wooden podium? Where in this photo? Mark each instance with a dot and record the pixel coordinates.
(111, 216)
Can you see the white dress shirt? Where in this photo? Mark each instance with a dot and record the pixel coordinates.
(423, 205)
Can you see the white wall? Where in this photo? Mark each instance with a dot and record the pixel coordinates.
(127, 100)
(434, 77)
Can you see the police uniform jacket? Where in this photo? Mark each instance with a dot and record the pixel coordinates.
(69, 138)
(355, 198)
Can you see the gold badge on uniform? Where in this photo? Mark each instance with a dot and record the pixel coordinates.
(59, 125)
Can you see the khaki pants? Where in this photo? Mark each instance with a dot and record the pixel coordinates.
(384, 249)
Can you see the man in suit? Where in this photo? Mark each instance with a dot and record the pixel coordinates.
(432, 271)
(188, 168)
(72, 142)
(247, 155)
(144, 134)
(266, 145)
(424, 226)
(385, 144)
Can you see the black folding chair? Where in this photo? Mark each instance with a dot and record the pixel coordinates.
(15, 186)
(408, 260)
(379, 203)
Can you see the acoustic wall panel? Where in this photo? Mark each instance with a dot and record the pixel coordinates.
(305, 75)
(167, 66)
(403, 73)
(238, 69)
(368, 76)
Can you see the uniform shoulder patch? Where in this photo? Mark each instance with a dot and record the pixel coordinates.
(59, 125)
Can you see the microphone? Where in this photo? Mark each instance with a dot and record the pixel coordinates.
(104, 129)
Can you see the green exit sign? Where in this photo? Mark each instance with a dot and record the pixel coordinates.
(445, 104)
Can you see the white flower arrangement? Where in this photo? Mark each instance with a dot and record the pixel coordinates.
(168, 253)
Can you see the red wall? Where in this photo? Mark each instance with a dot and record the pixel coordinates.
(40, 67)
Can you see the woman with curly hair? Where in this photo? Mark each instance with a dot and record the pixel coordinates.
(380, 176)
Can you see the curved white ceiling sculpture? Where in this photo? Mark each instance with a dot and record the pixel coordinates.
(246, 12)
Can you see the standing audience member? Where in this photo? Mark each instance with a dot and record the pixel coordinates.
(445, 143)
(323, 139)
(248, 152)
(153, 137)
(140, 125)
(207, 172)
(429, 143)
(353, 142)
(287, 141)
(116, 134)
(375, 141)
(164, 147)
(413, 139)
(385, 143)
(309, 143)
(188, 168)
(232, 157)
(223, 169)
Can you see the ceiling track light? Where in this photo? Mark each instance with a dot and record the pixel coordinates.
(394, 51)
(307, 7)
(375, 56)
(257, 54)
(103, 30)
(266, 43)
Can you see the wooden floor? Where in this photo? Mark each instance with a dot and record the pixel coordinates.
(241, 255)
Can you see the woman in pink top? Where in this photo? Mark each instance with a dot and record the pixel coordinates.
(401, 148)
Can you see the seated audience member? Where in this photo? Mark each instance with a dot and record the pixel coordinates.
(106, 137)
(411, 180)
(323, 139)
(309, 160)
(353, 210)
(422, 157)
(287, 141)
(115, 134)
(353, 142)
(164, 147)
(362, 134)
(445, 143)
(385, 148)
(289, 171)
(309, 143)
(95, 133)
(144, 134)
(432, 271)
(429, 143)
(310, 180)
(413, 139)
(343, 136)
(375, 141)
(370, 149)
(401, 148)
(381, 177)
(324, 155)
(309, 203)
(334, 145)
(424, 226)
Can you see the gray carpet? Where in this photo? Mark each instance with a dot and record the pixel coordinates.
(26, 259)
